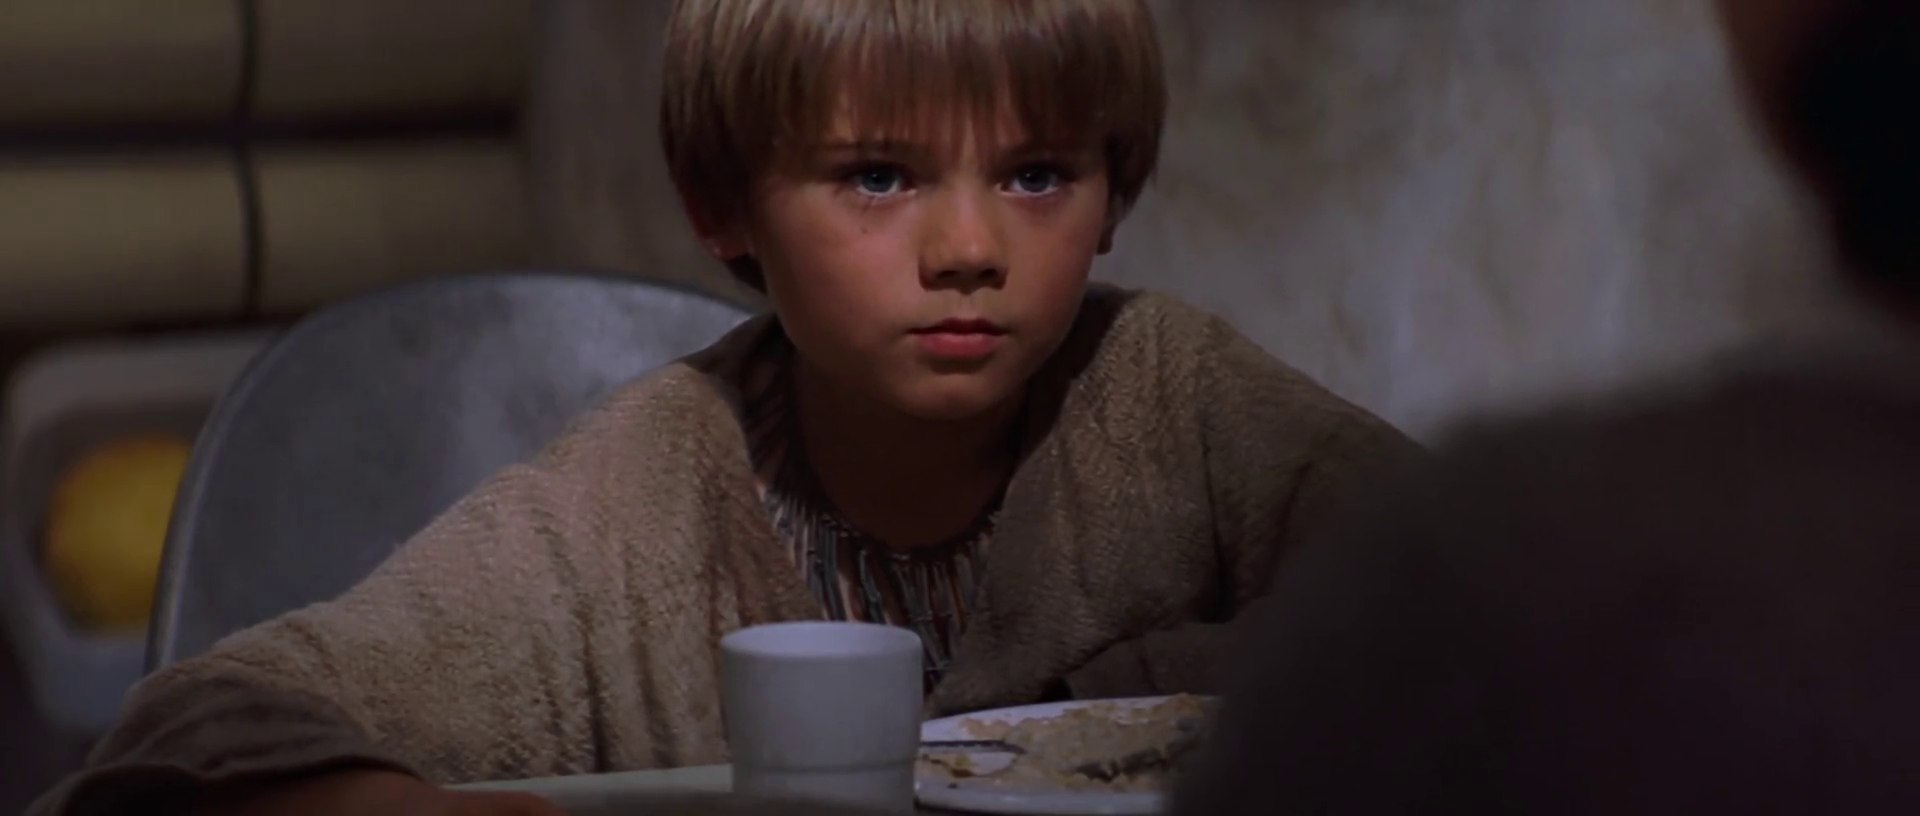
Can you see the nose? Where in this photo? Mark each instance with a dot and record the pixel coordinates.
(961, 246)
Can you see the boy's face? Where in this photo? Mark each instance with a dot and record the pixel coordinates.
(933, 281)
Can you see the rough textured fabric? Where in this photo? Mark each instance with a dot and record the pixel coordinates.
(1697, 603)
(566, 617)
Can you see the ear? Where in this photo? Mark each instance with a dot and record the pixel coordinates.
(724, 237)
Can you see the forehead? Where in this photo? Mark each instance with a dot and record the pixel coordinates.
(867, 117)
(875, 119)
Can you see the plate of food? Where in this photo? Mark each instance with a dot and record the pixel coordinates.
(1076, 758)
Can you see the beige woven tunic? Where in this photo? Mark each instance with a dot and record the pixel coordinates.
(565, 617)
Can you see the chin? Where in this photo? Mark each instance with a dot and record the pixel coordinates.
(948, 403)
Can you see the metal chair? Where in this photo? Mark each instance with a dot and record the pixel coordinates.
(367, 419)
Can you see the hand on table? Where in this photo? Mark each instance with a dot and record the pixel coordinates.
(376, 793)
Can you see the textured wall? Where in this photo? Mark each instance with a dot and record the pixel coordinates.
(1435, 207)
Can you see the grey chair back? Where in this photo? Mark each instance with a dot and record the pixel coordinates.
(367, 419)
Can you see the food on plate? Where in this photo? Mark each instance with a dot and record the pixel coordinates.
(1106, 746)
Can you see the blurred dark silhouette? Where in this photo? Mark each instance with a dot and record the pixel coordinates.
(1697, 602)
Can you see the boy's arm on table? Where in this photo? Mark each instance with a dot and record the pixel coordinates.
(461, 656)
(1283, 455)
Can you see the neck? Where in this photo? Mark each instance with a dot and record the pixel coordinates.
(908, 481)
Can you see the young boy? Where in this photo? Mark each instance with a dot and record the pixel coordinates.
(1064, 491)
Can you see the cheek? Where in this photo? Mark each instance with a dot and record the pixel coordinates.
(828, 323)
(804, 247)
(828, 278)
(1058, 250)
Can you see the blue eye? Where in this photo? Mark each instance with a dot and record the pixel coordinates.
(1035, 180)
(877, 181)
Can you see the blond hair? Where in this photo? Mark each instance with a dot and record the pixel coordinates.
(748, 82)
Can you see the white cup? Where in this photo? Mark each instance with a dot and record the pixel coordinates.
(824, 711)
